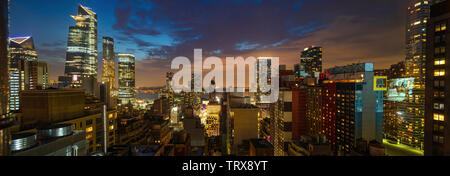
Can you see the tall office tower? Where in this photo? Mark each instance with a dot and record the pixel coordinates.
(311, 61)
(23, 68)
(81, 58)
(169, 90)
(127, 79)
(412, 110)
(109, 63)
(411, 131)
(4, 79)
(437, 138)
(43, 79)
(359, 106)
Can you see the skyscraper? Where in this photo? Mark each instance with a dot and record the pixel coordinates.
(311, 61)
(4, 78)
(81, 58)
(109, 66)
(359, 106)
(43, 80)
(126, 78)
(22, 55)
(412, 109)
(437, 82)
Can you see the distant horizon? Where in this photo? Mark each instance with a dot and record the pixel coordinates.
(157, 35)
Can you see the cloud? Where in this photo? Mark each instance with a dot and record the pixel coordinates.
(349, 30)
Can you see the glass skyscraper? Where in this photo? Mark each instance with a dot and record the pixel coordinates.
(81, 58)
(412, 110)
(23, 60)
(126, 78)
(109, 67)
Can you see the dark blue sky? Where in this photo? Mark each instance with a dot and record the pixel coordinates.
(158, 30)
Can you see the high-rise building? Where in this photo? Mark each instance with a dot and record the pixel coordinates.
(5, 120)
(281, 114)
(313, 110)
(127, 84)
(359, 106)
(329, 112)
(109, 63)
(169, 92)
(23, 68)
(311, 61)
(81, 58)
(437, 103)
(43, 81)
(264, 71)
(411, 130)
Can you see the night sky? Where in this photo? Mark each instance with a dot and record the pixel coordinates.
(156, 31)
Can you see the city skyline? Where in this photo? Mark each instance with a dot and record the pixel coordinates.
(155, 34)
(159, 78)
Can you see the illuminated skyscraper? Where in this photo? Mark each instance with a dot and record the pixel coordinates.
(5, 121)
(81, 58)
(311, 61)
(126, 78)
(23, 68)
(412, 109)
(109, 66)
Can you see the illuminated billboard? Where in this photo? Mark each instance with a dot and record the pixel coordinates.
(398, 89)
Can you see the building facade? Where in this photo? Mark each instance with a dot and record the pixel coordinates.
(5, 121)
(311, 61)
(84, 112)
(23, 68)
(127, 82)
(437, 138)
(359, 106)
(81, 58)
(109, 63)
(411, 131)
(313, 110)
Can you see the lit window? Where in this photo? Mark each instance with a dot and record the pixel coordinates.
(89, 129)
(438, 117)
(441, 27)
(439, 72)
(440, 61)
